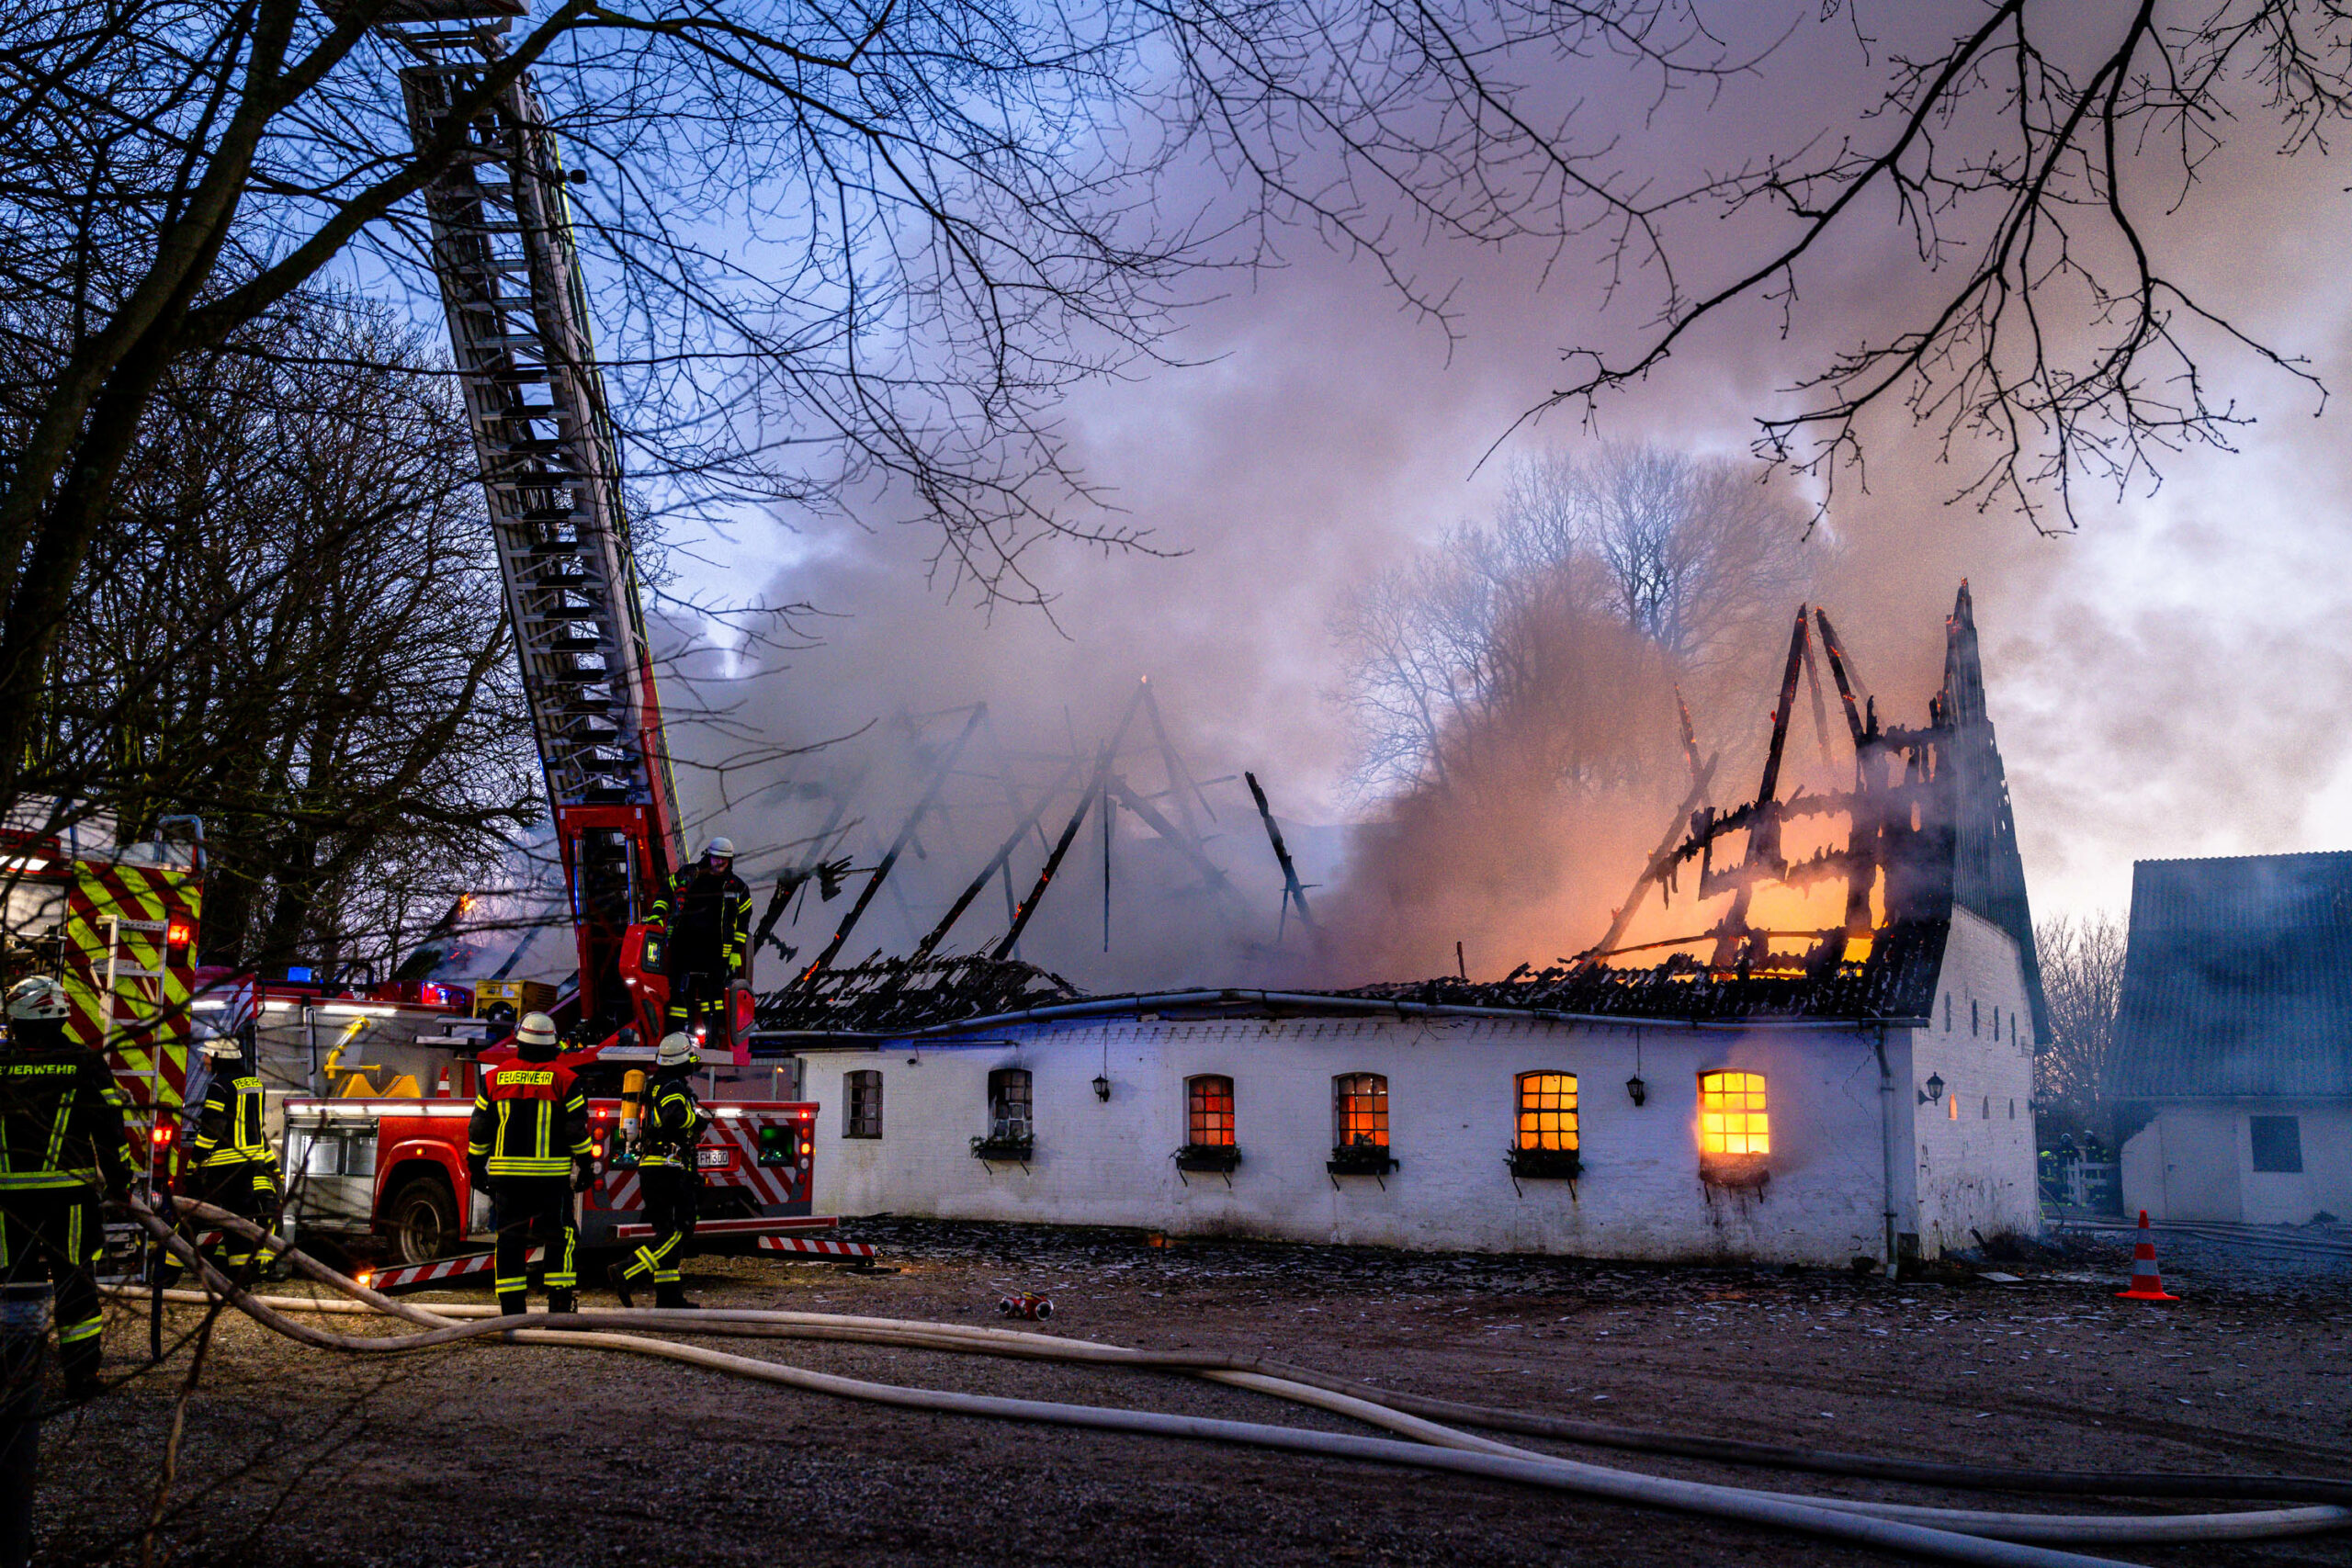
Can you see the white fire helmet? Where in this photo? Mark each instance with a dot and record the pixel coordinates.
(719, 849)
(676, 1051)
(536, 1029)
(222, 1046)
(37, 996)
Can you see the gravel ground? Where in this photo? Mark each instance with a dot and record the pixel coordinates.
(528, 1456)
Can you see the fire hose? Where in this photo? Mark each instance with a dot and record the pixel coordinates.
(1949, 1535)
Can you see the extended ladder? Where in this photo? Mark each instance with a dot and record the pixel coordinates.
(518, 326)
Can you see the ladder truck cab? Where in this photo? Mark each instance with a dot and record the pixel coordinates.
(393, 1171)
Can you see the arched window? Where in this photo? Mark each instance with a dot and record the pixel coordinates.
(1359, 1111)
(1547, 1112)
(1208, 1119)
(1732, 1115)
(1009, 1103)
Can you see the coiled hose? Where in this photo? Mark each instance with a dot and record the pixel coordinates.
(1960, 1536)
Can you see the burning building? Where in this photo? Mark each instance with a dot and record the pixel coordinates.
(1824, 1053)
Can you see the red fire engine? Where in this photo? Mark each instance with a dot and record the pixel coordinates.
(396, 1169)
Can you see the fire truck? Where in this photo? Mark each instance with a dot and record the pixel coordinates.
(511, 293)
(396, 1169)
(116, 922)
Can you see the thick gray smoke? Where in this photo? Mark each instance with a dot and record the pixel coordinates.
(2163, 683)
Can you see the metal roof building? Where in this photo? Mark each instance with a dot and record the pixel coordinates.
(2233, 1040)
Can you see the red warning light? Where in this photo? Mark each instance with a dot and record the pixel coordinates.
(179, 932)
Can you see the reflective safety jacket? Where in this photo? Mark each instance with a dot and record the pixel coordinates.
(229, 1123)
(707, 917)
(531, 1119)
(674, 1120)
(61, 1122)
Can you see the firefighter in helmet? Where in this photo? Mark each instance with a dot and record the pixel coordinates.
(62, 1146)
(230, 1162)
(706, 914)
(527, 1141)
(674, 1121)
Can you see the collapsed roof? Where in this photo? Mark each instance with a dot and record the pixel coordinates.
(1925, 826)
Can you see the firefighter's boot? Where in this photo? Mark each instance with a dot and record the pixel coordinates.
(562, 1301)
(512, 1304)
(672, 1297)
(80, 1360)
(617, 1277)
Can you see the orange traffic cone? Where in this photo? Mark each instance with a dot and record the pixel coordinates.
(2147, 1285)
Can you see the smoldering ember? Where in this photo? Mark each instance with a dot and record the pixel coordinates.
(1159, 784)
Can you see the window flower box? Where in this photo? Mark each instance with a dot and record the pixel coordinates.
(1218, 1158)
(1014, 1148)
(1749, 1171)
(1360, 1159)
(1544, 1165)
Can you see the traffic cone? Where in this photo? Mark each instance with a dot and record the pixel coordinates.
(2147, 1285)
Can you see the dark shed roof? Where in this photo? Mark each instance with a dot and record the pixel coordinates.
(2235, 981)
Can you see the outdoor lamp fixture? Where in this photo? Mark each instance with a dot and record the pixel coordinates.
(1637, 1089)
(1102, 1086)
(1933, 1092)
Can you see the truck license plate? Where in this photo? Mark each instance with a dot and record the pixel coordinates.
(711, 1159)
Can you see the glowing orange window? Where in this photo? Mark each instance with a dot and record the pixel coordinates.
(1547, 1110)
(1210, 1119)
(1732, 1115)
(1360, 1110)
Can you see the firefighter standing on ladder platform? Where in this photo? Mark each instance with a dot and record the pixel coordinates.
(667, 1174)
(61, 1143)
(527, 1141)
(230, 1162)
(705, 915)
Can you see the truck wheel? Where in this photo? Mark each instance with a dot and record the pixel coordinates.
(423, 1216)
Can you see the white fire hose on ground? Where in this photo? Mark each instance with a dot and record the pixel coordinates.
(1944, 1534)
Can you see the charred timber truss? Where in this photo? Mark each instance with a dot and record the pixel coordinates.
(1930, 828)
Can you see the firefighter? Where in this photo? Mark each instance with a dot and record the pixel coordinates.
(666, 1173)
(705, 915)
(230, 1162)
(62, 1145)
(527, 1142)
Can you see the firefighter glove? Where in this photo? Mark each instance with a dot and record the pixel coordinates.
(478, 1168)
(583, 1175)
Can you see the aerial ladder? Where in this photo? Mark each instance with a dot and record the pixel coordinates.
(511, 288)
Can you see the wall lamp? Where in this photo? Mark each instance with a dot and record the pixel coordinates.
(1933, 1092)
(1637, 1089)
(1102, 1087)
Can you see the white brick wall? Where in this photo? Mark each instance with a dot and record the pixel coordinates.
(1973, 1153)
(1451, 1089)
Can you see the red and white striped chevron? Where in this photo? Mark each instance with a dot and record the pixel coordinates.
(439, 1270)
(817, 1245)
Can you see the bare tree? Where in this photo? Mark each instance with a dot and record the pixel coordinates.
(2028, 155)
(293, 626)
(1699, 555)
(1605, 579)
(2082, 977)
(835, 252)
